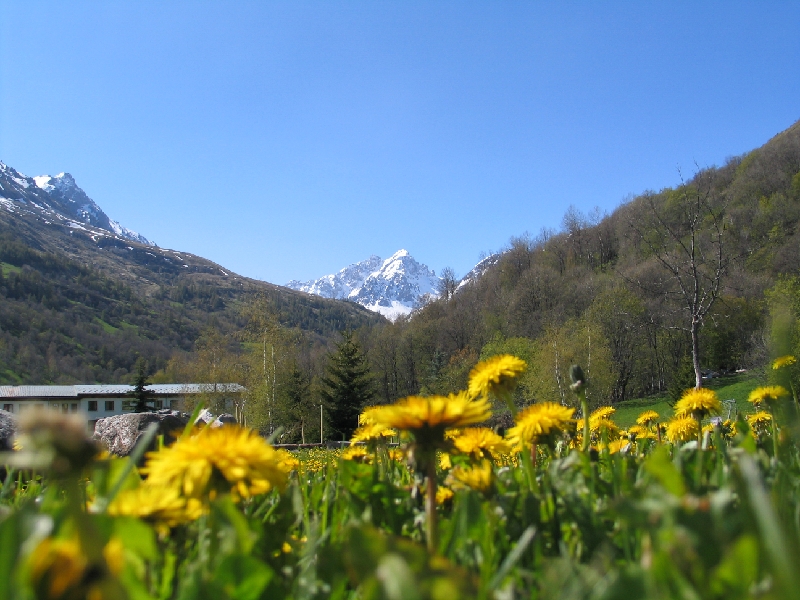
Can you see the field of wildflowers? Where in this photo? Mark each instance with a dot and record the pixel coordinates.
(425, 503)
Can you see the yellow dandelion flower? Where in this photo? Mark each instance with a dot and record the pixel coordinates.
(420, 413)
(397, 455)
(621, 445)
(478, 477)
(698, 403)
(443, 495)
(59, 569)
(480, 442)
(601, 414)
(366, 416)
(496, 375)
(357, 454)
(287, 461)
(231, 458)
(372, 432)
(759, 419)
(767, 394)
(445, 461)
(783, 361)
(540, 423)
(647, 417)
(164, 507)
(682, 429)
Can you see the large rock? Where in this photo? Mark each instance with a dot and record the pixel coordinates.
(121, 433)
(206, 416)
(8, 427)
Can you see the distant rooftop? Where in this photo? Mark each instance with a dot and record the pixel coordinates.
(81, 391)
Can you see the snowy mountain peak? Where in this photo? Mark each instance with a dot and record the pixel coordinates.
(392, 287)
(58, 198)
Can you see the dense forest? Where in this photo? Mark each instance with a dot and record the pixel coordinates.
(621, 293)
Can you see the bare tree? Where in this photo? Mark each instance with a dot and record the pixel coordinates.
(447, 283)
(685, 234)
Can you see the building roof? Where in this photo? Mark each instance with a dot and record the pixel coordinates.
(80, 391)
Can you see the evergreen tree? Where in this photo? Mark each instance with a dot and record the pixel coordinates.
(299, 410)
(347, 387)
(140, 393)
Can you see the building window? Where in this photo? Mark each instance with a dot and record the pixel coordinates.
(8, 408)
(65, 408)
(73, 407)
(109, 405)
(92, 405)
(159, 404)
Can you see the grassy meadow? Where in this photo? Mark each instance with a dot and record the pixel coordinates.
(626, 504)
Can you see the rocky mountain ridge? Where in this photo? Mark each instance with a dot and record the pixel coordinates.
(58, 198)
(391, 287)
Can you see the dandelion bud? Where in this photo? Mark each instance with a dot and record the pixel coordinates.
(578, 379)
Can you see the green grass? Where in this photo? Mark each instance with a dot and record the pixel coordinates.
(735, 387)
(107, 327)
(7, 268)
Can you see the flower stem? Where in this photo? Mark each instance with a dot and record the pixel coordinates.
(585, 411)
(430, 509)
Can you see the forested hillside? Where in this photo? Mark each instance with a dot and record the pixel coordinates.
(75, 309)
(619, 293)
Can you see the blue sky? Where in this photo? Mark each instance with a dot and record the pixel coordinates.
(286, 140)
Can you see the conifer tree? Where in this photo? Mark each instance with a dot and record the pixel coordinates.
(347, 387)
(140, 393)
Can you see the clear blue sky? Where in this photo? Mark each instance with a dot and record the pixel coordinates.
(286, 140)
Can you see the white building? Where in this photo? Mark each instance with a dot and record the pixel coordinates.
(100, 401)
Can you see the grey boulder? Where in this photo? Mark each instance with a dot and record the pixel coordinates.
(8, 427)
(206, 416)
(120, 433)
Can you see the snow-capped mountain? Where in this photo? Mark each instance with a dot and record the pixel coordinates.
(478, 270)
(391, 287)
(59, 199)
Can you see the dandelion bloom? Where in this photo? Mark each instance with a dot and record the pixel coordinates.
(761, 418)
(419, 413)
(372, 432)
(357, 454)
(366, 416)
(445, 461)
(697, 402)
(682, 429)
(621, 445)
(637, 432)
(480, 442)
(231, 458)
(601, 413)
(60, 569)
(443, 495)
(539, 423)
(647, 417)
(783, 361)
(287, 461)
(478, 477)
(496, 375)
(767, 394)
(165, 507)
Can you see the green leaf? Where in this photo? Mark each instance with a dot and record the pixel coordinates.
(660, 466)
(242, 577)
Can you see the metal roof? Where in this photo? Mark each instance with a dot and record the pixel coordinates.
(77, 391)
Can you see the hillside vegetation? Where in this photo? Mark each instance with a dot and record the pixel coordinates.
(605, 291)
(76, 310)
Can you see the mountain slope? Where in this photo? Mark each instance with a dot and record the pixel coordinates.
(81, 297)
(391, 287)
